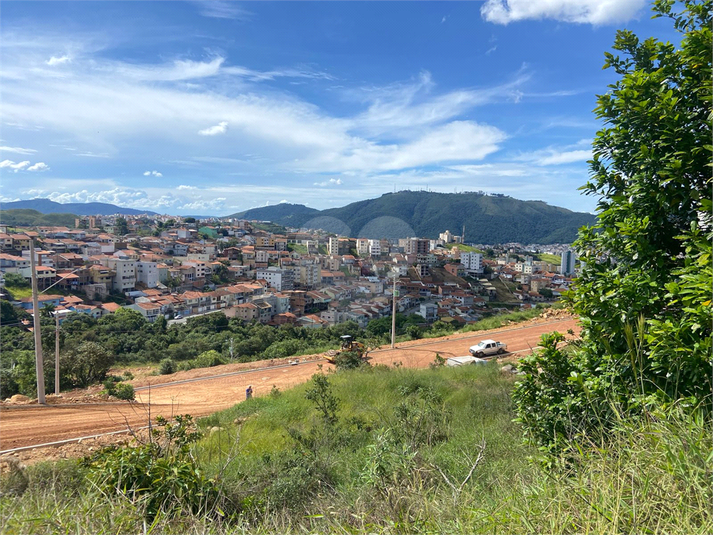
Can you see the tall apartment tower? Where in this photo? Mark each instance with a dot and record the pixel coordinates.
(567, 263)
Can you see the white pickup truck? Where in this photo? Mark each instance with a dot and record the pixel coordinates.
(488, 347)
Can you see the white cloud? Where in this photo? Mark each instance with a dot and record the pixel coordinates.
(579, 11)
(443, 19)
(54, 60)
(557, 158)
(39, 166)
(183, 187)
(334, 181)
(177, 71)
(559, 155)
(153, 173)
(112, 107)
(222, 9)
(17, 150)
(220, 128)
(210, 205)
(9, 164)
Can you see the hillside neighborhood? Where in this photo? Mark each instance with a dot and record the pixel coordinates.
(255, 271)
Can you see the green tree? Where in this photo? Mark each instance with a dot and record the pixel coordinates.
(643, 296)
(121, 228)
(88, 363)
(15, 280)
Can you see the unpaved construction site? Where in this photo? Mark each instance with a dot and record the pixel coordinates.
(30, 432)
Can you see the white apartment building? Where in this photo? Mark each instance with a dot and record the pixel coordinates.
(472, 262)
(362, 247)
(147, 274)
(125, 278)
(374, 247)
(280, 279)
(333, 246)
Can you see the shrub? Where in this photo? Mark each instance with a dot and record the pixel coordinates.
(125, 391)
(160, 476)
(167, 367)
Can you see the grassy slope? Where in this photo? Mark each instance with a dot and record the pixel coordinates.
(551, 258)
(357, 476)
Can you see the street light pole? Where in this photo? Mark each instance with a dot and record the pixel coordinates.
(56, 353)
(393, 315)
(39, 367)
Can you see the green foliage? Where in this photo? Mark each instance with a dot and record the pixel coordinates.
(23, 217)
(16, 280)
(160, 476)
(488, 218)
(208, 359)
(87, 364)
(320, 393)
(349, 360)
(121, 228)
(647, 475)
(124, 391)
(643, 296)
(438, 361)
(167, 367)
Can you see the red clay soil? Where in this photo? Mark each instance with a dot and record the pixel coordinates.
(204, 391)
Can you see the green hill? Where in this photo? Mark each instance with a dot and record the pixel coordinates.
(33, 218)
(282, 213)
(487, 218)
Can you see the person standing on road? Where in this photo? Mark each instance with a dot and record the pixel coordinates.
(249, 392)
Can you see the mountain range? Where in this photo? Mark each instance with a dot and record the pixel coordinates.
(486, 218)
(45, 206)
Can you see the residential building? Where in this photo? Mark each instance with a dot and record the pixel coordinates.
(125, 273)
(472, 262)
(567, 263)
(147, 274)
(280, 279)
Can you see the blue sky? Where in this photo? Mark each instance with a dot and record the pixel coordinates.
(216, 107)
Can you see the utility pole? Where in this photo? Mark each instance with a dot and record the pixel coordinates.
(39, 368)
(393, 315)
(56, 353)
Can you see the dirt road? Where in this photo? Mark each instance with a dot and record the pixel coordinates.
(205, 391)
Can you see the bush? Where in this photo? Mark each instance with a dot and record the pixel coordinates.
(125, 391)
(167, 367)
(349, 360)
(160, 476)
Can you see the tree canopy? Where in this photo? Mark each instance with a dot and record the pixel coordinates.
(643, 295)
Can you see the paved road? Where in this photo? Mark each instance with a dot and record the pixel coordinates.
(200, 394)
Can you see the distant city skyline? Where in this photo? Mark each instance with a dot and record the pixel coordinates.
(213, 108)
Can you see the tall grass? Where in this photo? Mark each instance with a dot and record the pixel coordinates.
(411, 451)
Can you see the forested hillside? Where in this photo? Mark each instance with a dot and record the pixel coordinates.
(487, 218)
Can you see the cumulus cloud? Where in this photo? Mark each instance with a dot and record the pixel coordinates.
(153, 173)
(209, 205)
(183, 187)
(58, 60)
(579, 11)
(220, 128)
(39, 166)
(17, 150)
(15, 167)
(331, 181)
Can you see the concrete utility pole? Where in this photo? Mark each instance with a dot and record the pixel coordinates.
(39, 368)
(393, 315)
(56, 353)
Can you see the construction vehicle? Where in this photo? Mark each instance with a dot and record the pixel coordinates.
(348, 345)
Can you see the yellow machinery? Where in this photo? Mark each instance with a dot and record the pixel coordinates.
(348, 344)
